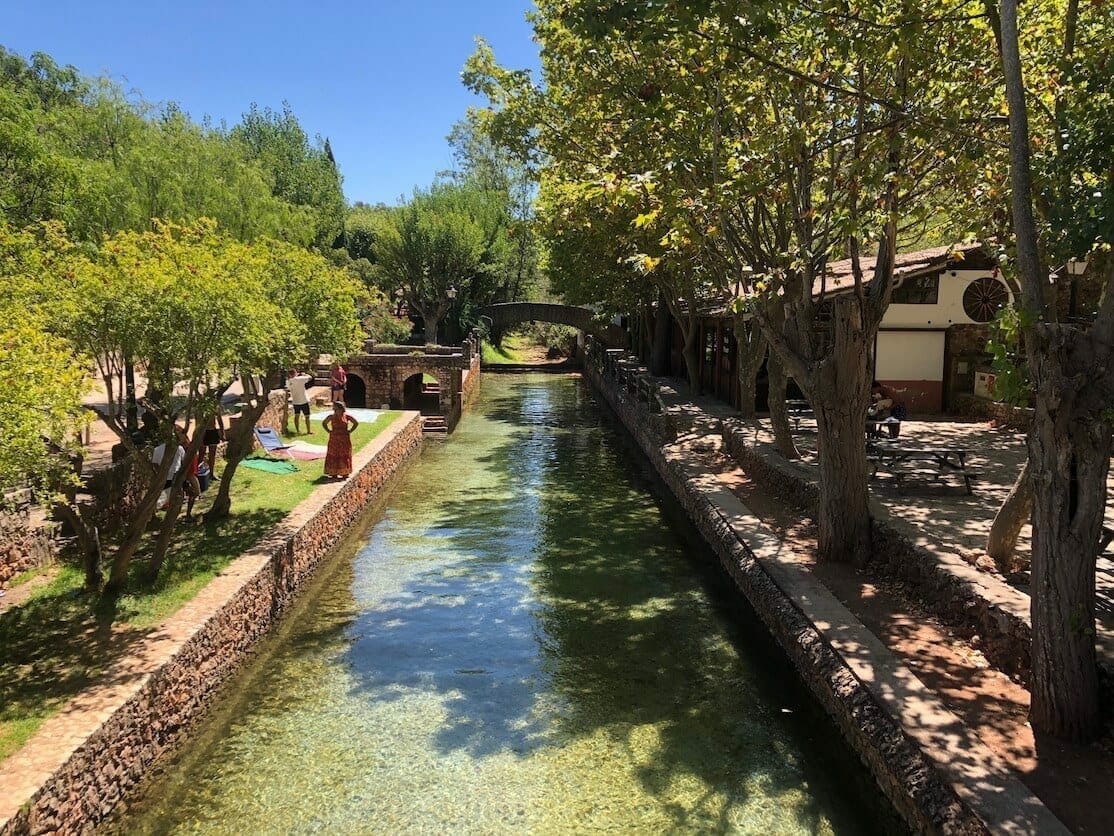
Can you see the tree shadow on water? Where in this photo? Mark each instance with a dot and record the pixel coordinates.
(581, 605)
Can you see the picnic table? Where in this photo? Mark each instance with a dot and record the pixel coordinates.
(875, 427)
(943, 459)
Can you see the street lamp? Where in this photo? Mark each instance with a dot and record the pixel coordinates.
(451, 292)
(1075, 268)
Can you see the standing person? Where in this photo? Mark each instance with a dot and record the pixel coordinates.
(300, 398)
(338, 455)
(214, 435)
(338, 383)
(192, 485)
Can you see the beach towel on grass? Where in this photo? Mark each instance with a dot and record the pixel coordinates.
(306, 455)
(270, 466)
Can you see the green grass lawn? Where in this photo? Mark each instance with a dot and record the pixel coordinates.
(506, 353)
(61, 639)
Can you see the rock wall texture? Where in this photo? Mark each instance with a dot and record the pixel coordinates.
(275, 415)
(149, 701)
(24, 545)
(1012, 417)
(910, 782)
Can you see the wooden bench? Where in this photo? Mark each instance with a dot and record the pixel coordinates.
(944, 459)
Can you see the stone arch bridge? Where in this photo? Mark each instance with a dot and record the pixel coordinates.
(507, 314)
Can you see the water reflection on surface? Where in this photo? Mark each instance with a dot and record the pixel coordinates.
(528, 639)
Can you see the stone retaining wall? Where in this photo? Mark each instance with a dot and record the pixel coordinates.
(947, 584)
(470, 386)
(148, 701)
(915, 788)
(23, 545)
(1018, 418)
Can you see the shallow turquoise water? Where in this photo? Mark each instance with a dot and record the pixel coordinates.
(529, 638)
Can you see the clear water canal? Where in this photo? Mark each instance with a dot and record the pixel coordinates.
(527, 637)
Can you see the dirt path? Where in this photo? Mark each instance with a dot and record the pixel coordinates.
(15, 596)
(1076, 782)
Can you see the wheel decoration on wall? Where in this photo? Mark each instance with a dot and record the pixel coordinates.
(983, 298)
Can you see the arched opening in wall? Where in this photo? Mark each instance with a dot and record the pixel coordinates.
(355, 394)
(423, 393)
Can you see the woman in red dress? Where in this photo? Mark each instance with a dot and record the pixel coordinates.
(338, 455)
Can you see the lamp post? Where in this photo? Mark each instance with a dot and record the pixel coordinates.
(1075, 269)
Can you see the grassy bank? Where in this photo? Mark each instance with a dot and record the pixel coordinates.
(62, 639)
(494, 355)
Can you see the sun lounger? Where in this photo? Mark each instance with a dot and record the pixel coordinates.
(269, 440)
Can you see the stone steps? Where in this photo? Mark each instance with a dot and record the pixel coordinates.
(435, 425)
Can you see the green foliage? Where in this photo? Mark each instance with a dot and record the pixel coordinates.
(299, 172)
(41, 415)
(83, 152)
(1012, 381)
(442, 242)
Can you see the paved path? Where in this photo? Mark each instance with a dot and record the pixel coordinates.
(980, 777)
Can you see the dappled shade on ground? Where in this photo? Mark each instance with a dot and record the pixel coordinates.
(60, 640)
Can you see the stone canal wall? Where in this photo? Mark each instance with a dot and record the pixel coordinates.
(92, 755)
(834, 657)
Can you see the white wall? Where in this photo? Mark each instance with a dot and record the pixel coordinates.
(910, 355)
(948, 309)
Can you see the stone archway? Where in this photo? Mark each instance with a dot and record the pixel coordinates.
(355, 395)
(412, 392)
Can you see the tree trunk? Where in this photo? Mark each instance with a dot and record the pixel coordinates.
(174, 507)
(431, 324)
(166, 533)
(692, 360)
(663, 338)
(839, 397)
(131, 408)
(751, 351)
(1008, 522)
(240, 444)
(1069, 455)
(88, 538)
(779, 414)
(121, 559)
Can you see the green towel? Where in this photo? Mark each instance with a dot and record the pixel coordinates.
(270, 466)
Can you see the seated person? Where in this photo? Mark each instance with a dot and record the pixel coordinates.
(881, 401)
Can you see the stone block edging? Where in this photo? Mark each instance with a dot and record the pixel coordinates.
(91, 755)
(875, 701)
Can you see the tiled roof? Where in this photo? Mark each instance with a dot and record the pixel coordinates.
(840, 277)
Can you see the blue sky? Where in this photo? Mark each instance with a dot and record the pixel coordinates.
(380, 79)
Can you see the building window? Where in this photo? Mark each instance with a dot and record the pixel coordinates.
(923, 290)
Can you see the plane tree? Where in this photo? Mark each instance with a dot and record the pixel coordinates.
(769, 139)
(1055, 64)
(196, 310)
